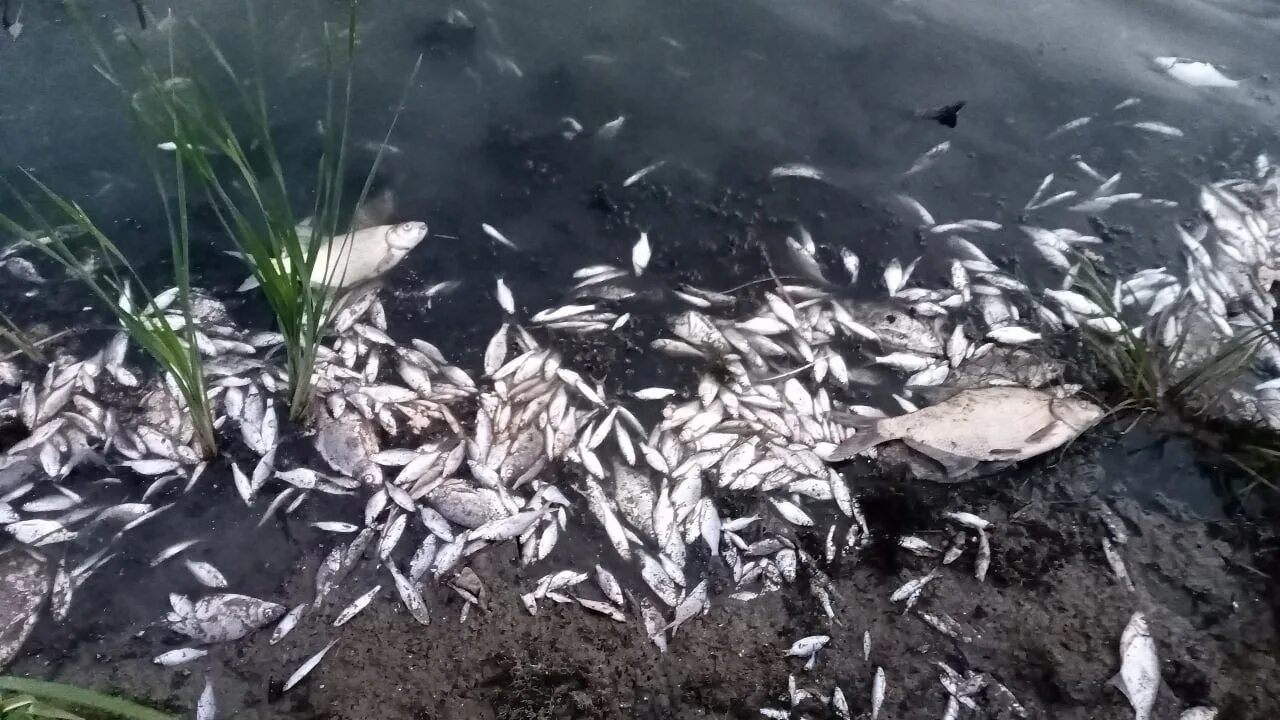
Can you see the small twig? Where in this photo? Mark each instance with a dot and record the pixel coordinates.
(39, 343)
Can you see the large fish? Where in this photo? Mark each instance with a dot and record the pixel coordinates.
(994, 424)
(344, 261)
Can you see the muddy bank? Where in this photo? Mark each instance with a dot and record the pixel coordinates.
(1046, 622)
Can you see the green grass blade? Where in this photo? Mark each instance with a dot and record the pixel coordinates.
(82, 698)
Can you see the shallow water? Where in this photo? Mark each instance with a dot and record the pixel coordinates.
(721, 92)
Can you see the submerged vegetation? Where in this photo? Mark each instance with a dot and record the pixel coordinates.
(24, 699)
(1175, 377)
(168, 337)
(298, 270)
(298, 265)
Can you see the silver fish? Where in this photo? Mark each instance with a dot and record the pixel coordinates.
(971, 427)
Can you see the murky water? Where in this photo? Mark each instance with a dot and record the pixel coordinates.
(718, 92)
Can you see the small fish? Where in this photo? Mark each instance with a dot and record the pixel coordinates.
(912, 586)
(878, 688)
(356, 606)
(179, 656)
(505, 299)
(610, 130)
(1158, 128)
(797, 170)
(654, 393)
(492, 232)
(207, 705)
(929, 157)
(288, 622)
(1069, 126)
(1139, 666)
(1195, 73)
(307, 667)
(1099, 204)
(172, 550)
(1013, 335)
(806, 646)
(640, 254)
(206, 574)
(639, 174)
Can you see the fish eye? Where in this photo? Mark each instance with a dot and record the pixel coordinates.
(405, 227)
(891, 318)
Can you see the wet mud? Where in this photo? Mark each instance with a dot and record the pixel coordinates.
(1045, 624)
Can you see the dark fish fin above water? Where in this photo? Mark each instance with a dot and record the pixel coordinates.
(954, 465)
(945, 115)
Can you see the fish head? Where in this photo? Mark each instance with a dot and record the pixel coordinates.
(1078, 413)
(406, 236)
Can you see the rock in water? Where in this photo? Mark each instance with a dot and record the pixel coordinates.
(223, 617)
(995, 424)
(24, 585)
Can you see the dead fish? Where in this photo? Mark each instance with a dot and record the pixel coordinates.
(1139, 666)
(797, 170)
(179, 656)
(306, 667)
(610, 130)
(1195, 73)
(974, 426)
(223, 617)
(207, 705)
(1158, 128)
(929, 157)
(1069, 126)
(640, 254)
(505, 299)
(493, 232)
(38, 533)
(344, 261)
(356, 606)
(288, 623)
(206, 574)
(172, 550)
(639, 174)
(806, 646)
(878, 689)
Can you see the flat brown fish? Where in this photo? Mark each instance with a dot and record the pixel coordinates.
(994, 424)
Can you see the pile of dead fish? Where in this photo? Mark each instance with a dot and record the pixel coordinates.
(449, 463)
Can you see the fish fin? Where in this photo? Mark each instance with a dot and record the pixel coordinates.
(1004, 451)
(1042, 433)
(954, 465)
(249, 283)
(1118, 683)
(866, 438)
(934, 394)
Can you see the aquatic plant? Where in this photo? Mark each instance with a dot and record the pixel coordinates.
(1154, 376)
(25, 699)
(298, 270)
(18, 339)
(168, 339)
